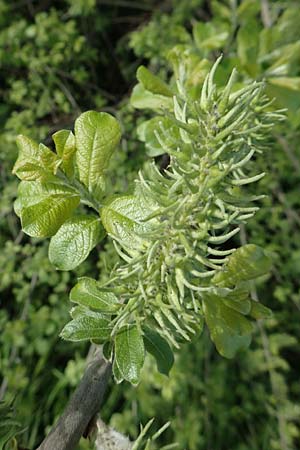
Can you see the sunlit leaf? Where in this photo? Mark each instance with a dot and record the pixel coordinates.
(88, 292)
(129, 353)
(65, 147)
(87, 327)
(74, 241)
(152, 83)
(35, 161)
(97, 134)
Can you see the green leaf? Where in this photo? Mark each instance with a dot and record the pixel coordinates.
(248, 46)
(65, 147)
(122, 217)
(129, 353)
(90, 326)
(97, 135)
(116, 373)
(259, 311)
(44, 207)
(74, 241)
(209, 36)
(33, 192)
(88, 292)
(143, 99)
(152, 83)
(35, 162)
(156, 131)
(160, 349)
(229, 330)
(292, 83)
(239, 301)
(246, 263)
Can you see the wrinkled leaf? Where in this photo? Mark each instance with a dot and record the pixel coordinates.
(97, 135)
(160, 349)
(129, 353)
(122, 217)
(74, 241)
(152, 83)
(246, 263)
(35, 161)
(65, 147)
(143, 99)
(87, 327)
(88, 292)
(33, 192)
(44, 207)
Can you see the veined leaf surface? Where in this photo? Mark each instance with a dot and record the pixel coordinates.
(74, 241)
(87, 327)
(88, 292)
(44, 207)
(97, 134)
(35, 161)
(65, 147)
(122, 217)
(129, 353)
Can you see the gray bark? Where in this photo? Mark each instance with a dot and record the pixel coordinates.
(84, 404)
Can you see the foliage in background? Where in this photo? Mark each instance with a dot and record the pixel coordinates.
(252, 402)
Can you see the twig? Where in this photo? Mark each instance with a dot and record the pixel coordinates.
(84, 404)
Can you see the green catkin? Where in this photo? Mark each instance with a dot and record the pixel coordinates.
(192, 200)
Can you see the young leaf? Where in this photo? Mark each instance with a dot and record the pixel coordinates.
(121, 217)
(33, 192)
(229, 330)
(152, 83)
(88, 292)
(141, 99)
(238, 300)
(35, 162)
(259, 311)
(44, 207)
(74, 241)
(210, 37)
(97, 135)
(87, 327)
(160, 349)
(65, 147)
(116, 372)
(246, 263)
(159, 135)
(129, 353)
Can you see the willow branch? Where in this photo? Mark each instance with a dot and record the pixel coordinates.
(84, 404)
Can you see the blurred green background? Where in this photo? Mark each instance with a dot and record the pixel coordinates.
(59, 58)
